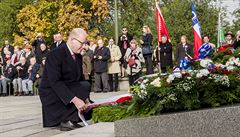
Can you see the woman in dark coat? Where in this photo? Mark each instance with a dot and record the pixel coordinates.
(163, 54)
(183, 50)
(147, 49)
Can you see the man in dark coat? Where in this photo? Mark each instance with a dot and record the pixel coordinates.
(8, 74)
(62, 92)
(58, 41)
(101, 57)
(27, 84)
(124, 43)
(163, 54)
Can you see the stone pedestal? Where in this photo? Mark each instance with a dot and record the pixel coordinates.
(219, 122)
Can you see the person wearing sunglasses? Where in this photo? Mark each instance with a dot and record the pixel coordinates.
(63, 92)
(124, 43)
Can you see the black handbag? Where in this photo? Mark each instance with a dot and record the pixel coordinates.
(147, 50)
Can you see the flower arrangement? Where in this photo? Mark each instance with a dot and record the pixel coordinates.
(212, 83)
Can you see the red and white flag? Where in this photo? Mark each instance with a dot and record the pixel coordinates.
(161, 26)
(196, 31)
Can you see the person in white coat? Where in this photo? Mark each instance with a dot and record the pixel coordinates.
(114, 65)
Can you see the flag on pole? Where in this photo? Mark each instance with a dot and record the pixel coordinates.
(220, 38)
(161, 26)
(196, 31)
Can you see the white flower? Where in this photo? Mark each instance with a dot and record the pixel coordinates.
(186, 86)
(229, 68)
(172, 97)
(177, 75)
(145, 80)
(204, 72)
(224, 80)
(238, 64)
(142, 86)
(169, 81)
(199, 75)
(189, 78)
(171, 77)
(232, 60)
(227, 63)
(236, 61)
(156, 82)
(205, 62)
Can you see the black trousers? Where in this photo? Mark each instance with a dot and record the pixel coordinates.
(113, 81)
(133, 78)
(149, 64)
(163, 69)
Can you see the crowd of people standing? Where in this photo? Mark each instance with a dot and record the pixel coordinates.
(103, 64)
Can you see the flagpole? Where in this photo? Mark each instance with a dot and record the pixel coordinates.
(116, 21)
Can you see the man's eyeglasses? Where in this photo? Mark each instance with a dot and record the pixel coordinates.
(82, 43)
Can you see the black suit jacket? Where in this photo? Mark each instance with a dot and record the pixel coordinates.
(147, 41)
(101, 65)
(8, 71)
(236, 44)
(61, 82)
(54, 45)
(121, 45)
(181, 51)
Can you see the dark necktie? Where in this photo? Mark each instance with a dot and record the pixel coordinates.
(15, 59)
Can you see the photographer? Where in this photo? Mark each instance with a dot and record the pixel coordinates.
(37, 42)
(123, 43)
(236, 43)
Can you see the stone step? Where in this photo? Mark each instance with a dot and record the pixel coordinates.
(95, 130)
(22, 117)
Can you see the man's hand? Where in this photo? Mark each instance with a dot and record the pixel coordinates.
(79, 104)
(18, 67)
(141, 41)
(2, 77)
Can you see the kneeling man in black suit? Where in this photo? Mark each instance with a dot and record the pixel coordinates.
(63, 92)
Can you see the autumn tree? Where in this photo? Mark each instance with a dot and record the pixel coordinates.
(48, 16)
(8, 24)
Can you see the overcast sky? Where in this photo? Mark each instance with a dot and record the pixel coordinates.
(231, 5)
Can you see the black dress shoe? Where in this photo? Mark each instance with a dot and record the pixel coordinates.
(66, 126)
(4, 94)
(76, 125)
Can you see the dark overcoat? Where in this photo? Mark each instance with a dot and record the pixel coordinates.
(61, 82)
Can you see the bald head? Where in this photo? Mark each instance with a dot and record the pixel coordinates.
(77, 33)
(76, 40)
